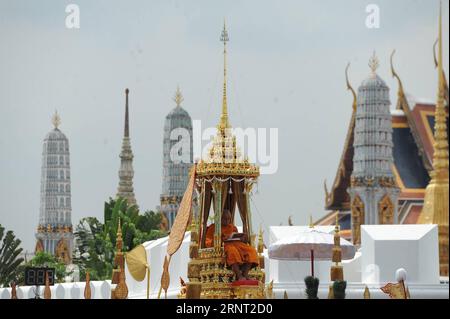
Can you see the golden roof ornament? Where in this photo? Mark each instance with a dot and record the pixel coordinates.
(354, 104)
(178, 97)
(311, 224)
(374, 63)
(56, 120)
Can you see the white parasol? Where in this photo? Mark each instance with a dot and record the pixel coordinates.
(309, 245)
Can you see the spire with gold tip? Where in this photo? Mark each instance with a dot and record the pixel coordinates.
(436, 210)
(224, 116)
(119, 261)
(178, 98)
(224, 157)
(56, 120)
(374, 63)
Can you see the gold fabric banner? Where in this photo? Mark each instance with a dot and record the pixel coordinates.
(182, 219)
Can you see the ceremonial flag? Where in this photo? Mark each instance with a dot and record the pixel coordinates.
(395, 291)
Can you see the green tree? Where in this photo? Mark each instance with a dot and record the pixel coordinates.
(9, 257)
(96, 241)
(45, 259)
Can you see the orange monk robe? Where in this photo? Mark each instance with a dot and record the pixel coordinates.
(236, 251)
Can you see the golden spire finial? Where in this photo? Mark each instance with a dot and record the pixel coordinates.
(178, 98)
(224, 116)
(119, 229)
(374, 63)
(349, 87)
(56, 120)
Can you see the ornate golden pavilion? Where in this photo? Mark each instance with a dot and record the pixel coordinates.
(222, 181)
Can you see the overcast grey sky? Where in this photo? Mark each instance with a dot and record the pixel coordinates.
(286, 71)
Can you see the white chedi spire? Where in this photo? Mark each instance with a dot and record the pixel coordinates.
(126, 172)
(177, 158)
(373, 189)
(54, 234)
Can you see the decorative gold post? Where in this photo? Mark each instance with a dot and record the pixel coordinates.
(13, 291)
(119, 261)
(47, 291)
(87, 287)
(311, 224)
(337, 272)
(436, 210)
(366, 293)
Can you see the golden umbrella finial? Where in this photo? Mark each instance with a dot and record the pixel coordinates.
(374, 63)
(56, 120)
(311, 224)
(178, 98)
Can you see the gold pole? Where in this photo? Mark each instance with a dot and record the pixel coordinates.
(159, 292)
(148, 282)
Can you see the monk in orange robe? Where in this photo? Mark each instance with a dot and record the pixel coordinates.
(241, 257)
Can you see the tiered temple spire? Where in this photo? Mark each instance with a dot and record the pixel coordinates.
(177, 159)
(436, 210)
(54, 234)
(373, 188)
(126, 172)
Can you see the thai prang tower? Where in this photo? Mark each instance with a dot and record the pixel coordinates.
(54, 234)
(373, 190)
(126, 172)
(435, 209)
(177, 158)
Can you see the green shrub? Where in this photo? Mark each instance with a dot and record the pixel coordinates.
(339, 289)
(312, 287)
